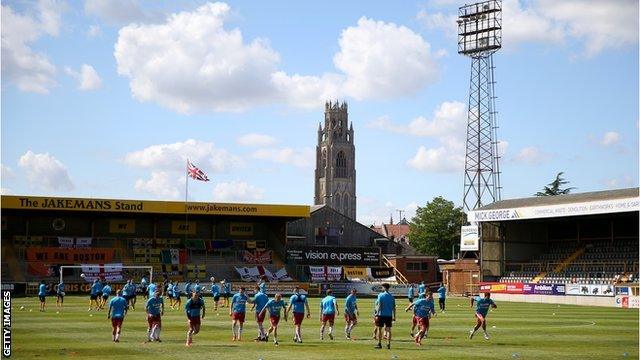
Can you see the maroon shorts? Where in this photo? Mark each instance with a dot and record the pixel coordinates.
(193, 320)
(259, 318)
(421, 321)
(350, 317)
(274, 320)
(328, 317)
(116, 322)
(297, 318)
(414, 320)
(154, 319)
(238, 316)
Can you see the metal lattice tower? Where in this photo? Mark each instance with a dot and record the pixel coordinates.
(479, 36)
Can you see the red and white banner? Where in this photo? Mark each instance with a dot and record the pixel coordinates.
(325, 273)
(257, 256)
(107, 272)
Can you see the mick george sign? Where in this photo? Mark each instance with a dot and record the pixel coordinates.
(316, 255)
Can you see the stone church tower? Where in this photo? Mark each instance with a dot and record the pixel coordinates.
(335, 161)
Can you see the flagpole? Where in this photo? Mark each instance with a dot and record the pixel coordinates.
(186, 196)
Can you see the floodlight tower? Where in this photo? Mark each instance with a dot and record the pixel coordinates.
(479, 36)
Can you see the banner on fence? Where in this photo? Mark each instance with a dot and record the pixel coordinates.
(322, 255)
(352, 273)
(590, 290)
(257, 256)
(107, 272)
(256, 273)
(630, 302)
(70, 256)
(523, 288)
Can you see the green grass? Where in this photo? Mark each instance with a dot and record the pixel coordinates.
(523, 331)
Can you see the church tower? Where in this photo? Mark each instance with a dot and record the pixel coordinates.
(335, 161)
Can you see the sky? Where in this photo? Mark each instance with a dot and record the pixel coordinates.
(107, 98)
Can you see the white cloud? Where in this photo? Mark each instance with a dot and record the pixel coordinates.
(618, 182)
(384, 60)
(191, 62)
(237, 191)
(597, 24)
(94, 30)
(527, 24)
(5, 191)
(530, 155)
(45, 172)
(161, 184)
(594, 25)
(167, 163)
(439, 21)
(173, 157)
(6, 173)
(374, 212)
(609, 138)
(447, 126)
(302, 158)
(28, 70)
(88, 78)
(438, 159)
(115, 12)
(256, 140)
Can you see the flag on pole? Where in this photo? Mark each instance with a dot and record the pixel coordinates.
(195, 173)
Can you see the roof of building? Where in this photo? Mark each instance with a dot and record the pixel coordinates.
(50, 203)
(563, 199)
(589, 203)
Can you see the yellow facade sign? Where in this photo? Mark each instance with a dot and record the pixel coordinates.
(355, 272)
(183, 228)
(241, 229)
(158, 207)
(122, 226)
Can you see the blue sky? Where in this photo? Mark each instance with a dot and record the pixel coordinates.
(107, 98)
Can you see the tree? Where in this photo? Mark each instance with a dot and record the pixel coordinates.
(436, 227)
(553, 188)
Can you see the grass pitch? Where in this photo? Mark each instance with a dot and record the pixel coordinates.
(522, 331)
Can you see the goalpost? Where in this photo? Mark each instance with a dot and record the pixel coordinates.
(150, 268)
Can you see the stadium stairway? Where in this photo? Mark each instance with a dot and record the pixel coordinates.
(9, 257)
(562, 265)
(400, 278)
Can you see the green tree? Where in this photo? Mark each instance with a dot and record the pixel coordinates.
(436, 227)
(554, 189)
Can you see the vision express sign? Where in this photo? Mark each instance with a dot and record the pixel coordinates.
(317, 255)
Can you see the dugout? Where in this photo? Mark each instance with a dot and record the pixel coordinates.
(36, 230)
(517, 232)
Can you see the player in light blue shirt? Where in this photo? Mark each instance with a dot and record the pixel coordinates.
(226, 292)
(260, 299)
(237, 313)
(155, 310)
(192, 308)
(177, 300)
(187, 289)
(422, 288)
(42, 294)
(96, 294)
(421, 314)
(106, 292)
(442, 296)
(215, 292)
(298, 303)
(482, 310)
(197, 288)
(350, 313)
(328, 312)
(117, 310)
(144, 287)
(411, 293)
(274, 306)
(385, 314)
(263, 285)
(152, 289)
(60, 294)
